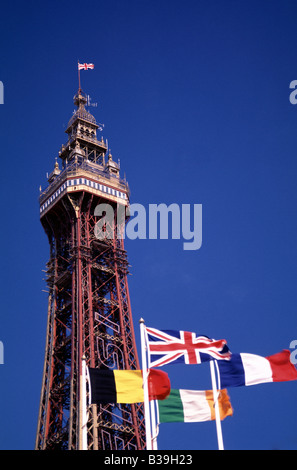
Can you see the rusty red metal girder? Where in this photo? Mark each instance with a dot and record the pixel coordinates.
(89, 313)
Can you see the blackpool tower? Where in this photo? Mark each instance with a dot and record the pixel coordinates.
(89, 312)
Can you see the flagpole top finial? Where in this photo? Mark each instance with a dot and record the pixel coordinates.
(80, 99)
(141, 320)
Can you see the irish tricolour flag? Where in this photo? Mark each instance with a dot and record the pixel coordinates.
(193, 406)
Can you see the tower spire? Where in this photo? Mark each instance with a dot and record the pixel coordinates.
(82, 131)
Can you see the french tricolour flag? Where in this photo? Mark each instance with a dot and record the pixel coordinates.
(250, 369)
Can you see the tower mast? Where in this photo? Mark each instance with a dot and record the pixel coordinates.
(89, 310)
(78, 71)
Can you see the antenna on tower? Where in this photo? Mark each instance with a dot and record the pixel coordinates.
(89, 102)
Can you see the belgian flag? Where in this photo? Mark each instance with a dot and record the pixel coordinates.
(126, 386)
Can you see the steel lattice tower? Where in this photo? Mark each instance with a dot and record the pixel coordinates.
(89, 312)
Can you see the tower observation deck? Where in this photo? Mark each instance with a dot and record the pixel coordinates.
(89, 311)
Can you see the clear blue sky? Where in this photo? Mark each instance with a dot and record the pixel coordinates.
(194, 96)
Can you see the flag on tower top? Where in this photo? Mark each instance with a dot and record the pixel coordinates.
(168, 346)
(85, 66)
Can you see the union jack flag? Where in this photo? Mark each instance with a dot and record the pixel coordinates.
(85, 66)
(168, 346)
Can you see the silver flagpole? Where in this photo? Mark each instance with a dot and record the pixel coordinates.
(154, 424)
(216, 405)
(83, 406)
(145, 387)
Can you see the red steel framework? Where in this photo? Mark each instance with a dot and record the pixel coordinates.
(89, 311)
